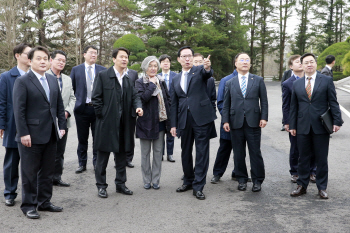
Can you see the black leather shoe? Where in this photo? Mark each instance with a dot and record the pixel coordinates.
(129, 164)
(215, 179)
(32, 214)
(299, 191)
(182, 177)
(199, 195)
(51, 208)
(80, 169)
(170, 158)
(256, 187)
(60, 183)
(102, 193)
(242, 186)
(323, 194)
(10, 202)
(124, 190)
(283, 129)
(184, 188)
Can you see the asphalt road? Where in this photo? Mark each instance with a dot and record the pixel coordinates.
(225, 209)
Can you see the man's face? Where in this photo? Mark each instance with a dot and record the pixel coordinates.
(186, 59)
(22, 58)
(309, 64)
(243, 63)
(121, 60)
(91, 56)
(165, 64)
(58, 62)
(40, 62)
(296, 65)
(197, 61)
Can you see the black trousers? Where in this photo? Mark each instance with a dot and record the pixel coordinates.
(294, 157)
(169, 143)
(222, 158)
(11, 164)
(317, 144)
(200, 135)
(84, 122)
(37, 168)
(59, 160)
(252, 137)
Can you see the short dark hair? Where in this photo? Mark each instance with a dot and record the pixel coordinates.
(240, 54)
(163, 57)
(19, 49)
(292, 59)
(38, 48)
(330, 59)
(116, 51)
(306, 55)
(54, 53)
(89, 47)
(198, 55)
(182, 48)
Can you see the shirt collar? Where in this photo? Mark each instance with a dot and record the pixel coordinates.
(312, 76)
(330, 68)
(240, 75)
(188, 71)
(21, 72)
(168, 73)
(117, 73)
(38, 75)
(87, 65)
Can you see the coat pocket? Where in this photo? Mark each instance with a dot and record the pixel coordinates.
(33, 121)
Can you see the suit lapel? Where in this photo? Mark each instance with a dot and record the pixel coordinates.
(317, 84)
(302, 87)
(36, 82)
(251, 81)
(189, 77)
(235, 82)
(177, 84)
(51, 87)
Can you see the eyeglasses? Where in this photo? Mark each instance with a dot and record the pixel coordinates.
(93, 53)
(186, 56)
(60, 60)
(308, 62)
(244, 60)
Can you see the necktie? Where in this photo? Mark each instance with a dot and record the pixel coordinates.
(166, 80)
(89, 82)
(46, 87)
(185, 82)
(243, 86)
(60, 83)
(308, 88)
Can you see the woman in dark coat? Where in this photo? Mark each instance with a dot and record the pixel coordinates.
(155, 122)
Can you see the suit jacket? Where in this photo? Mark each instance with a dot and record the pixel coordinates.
(171, 76)
(211, 91)
(133, 76)
(7, 119)
(196, 99)
(305, 113)
(287, 88)
(327, 71)
(286, 75)
(236, 106)
(79, 85)
(34, 114)
(112, 103)
(67, 94)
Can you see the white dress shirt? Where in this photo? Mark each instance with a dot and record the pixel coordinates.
(182, 82)
(21, 72)
(240, 79)
(88, 100)
(330, 68)
(39, 77)
(120, 76)
(312, 81)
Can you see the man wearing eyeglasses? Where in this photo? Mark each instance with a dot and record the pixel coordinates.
(83, 77)
(191, 117)
(58, 61)
(245, 112)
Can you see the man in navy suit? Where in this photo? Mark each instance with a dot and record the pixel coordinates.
(245, 113)
(83, 77)
(7, 122)
(287, 86)
(312, 96)
(168, 75)
(192, 115)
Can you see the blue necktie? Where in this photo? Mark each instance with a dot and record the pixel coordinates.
(185, 83)
(46, 88)
(243, 86)
(166, 80)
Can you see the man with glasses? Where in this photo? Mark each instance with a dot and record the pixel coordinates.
(83, 77)
(244, 113)
(191, 117)
(58, 61)
(7, 121)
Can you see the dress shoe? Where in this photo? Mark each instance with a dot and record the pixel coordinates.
(60, 183)
(323, 194)
(199, 195)
(147, 186)
(124, 190)
(283, 129)
(184, 188)
(32, 214)
(102, 193)
(215, 179)
(10, 202)
(170, 158)
(242, 186)
(156, 186)
(299, 191)
(256, 187)
(80, 169)
(182, 177)
(313, 178)
(130, 165)
(51, 208)
(249, 179)
(294, 178)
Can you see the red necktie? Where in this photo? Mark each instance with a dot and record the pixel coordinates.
(308, 88)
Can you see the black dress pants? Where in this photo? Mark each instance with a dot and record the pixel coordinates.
(222, 158)
(11, 174)
(59, 160)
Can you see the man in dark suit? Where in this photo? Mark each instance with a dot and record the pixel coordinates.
(192, 115)
(58, 61)
(7, 122)
(287, 87)
(328, 69)
(115, 100)
(40, 121)
(168, 75)
(312, 96)
(244, 113)
(83, 77)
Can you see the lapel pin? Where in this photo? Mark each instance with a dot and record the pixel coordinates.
(192, 73)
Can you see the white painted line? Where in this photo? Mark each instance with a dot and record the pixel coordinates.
(344, 111)
(343, 89)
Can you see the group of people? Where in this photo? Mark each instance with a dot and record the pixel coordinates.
(37, 101)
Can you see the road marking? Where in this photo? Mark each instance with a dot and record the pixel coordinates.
(344, 111)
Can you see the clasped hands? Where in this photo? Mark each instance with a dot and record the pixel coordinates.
(262, 124)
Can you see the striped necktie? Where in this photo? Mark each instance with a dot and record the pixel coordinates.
(244, 86)
(308, 87)
(46, 87)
